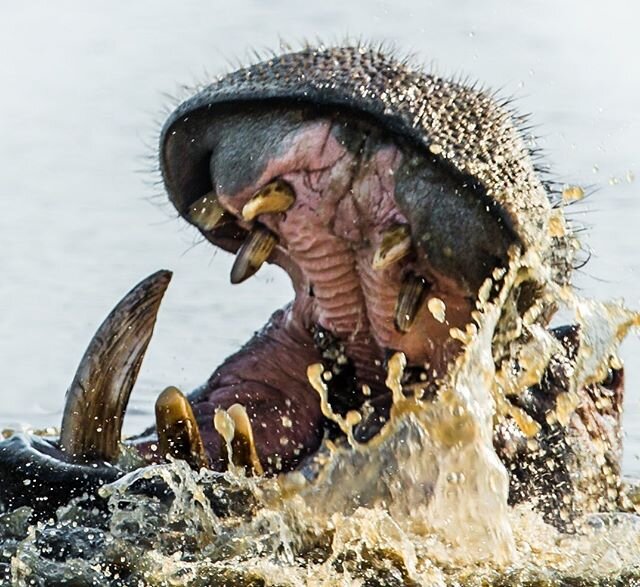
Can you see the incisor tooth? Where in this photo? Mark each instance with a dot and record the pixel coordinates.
(395, 244)
(410, 298)
(206, 213)
(277, 196)
(253, 253)
(236, 430)
(178, 432)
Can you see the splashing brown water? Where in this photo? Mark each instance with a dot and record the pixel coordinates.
(423, 503)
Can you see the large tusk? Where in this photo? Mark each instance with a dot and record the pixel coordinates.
(97, 398)
(178, 432)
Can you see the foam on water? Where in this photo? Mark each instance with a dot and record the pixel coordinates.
(423, 503)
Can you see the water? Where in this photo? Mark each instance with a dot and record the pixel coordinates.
(81, 221)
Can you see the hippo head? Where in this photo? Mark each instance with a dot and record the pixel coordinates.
(388, 195)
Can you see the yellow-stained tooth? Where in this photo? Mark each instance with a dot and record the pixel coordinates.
(395, 244)
(178, 432)
(236, 430)
(277, 196)
(206, 213)
(410, 298)
(255, 250)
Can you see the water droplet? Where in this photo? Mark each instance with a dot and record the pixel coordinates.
(572, 193)
(438, 309)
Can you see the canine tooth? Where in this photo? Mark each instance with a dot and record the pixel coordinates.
(97, 398)
(178, 432)
(207, 212)
(395, 244)
(236, 430)
(410, 298)
(277, 196)
(253, 253)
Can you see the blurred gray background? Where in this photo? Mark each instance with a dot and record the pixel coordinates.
(84, 90)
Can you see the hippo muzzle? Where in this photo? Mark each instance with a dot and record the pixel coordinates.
(389, 196)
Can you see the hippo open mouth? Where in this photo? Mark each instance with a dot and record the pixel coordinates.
(389, 196)
(369, 230)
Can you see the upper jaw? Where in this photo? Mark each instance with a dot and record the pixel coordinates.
(467, 132)
(231, 151)
(462, 139)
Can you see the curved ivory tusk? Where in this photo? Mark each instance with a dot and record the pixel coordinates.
(97, 398)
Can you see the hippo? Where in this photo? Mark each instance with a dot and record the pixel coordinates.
(389, 196)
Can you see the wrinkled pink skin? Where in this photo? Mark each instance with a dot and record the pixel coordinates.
(326, 243)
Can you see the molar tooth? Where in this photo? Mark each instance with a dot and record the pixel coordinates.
(178, 432)
(253, 253)
(410, 298)
(277, 196)
(395, 244)
(206, 213)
